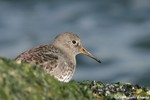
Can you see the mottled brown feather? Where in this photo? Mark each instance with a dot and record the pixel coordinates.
(47, 57)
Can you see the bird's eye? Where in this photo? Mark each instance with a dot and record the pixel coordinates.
(73, 41)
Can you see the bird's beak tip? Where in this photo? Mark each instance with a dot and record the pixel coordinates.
(99, 61)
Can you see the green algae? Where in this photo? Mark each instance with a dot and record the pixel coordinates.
(29, 82)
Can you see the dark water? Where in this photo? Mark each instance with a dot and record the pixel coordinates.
(116, 31)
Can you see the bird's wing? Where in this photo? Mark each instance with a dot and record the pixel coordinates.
(44, 55)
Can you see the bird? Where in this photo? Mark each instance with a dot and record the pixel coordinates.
(57, 58)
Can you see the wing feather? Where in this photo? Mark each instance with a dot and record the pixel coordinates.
(44, 55)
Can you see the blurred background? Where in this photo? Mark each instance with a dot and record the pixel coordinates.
(116, 31)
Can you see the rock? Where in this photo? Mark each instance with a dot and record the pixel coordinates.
(29, 82)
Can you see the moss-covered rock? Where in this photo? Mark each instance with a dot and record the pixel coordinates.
(29, 82)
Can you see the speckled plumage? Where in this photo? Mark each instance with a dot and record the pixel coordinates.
(57, 58)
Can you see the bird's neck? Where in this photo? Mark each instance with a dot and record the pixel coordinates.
(68, 53)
